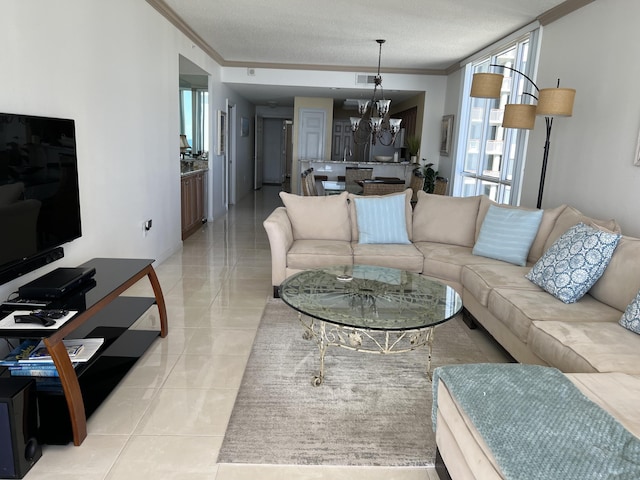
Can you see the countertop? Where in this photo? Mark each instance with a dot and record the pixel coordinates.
(191, 167)
(351, 162)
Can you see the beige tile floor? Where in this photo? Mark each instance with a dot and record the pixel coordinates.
(167, 418)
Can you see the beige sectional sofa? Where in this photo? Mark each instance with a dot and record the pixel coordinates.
(533, 326)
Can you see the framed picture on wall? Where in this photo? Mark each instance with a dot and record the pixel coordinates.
(222, 132)
(244, 127)
(446, 131)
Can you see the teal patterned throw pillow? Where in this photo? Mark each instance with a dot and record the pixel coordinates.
(631, 317)
(570, 267)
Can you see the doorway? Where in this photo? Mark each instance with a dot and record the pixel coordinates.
(274, 150)
(275, 141)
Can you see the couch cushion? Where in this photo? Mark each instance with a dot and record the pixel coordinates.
(586, 346)
(631, 317)
(444, 219)
(447, 261)
(403, 257)
(570, 267)
(479, 280)
(617, 393)
(507, 234)
(570, 217)
(408, 209)
(517, 308)
(620, 281)
(382, 219)
(306, 254)
(549, 217)
(318, 218)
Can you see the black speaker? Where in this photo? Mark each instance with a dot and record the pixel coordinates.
(19, 448)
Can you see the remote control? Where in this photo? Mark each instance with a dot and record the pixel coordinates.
(47, 322)
(26, 303)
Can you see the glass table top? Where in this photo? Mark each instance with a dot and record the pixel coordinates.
(332, 187)
(368, 297)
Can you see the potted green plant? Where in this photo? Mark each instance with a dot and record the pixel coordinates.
(413, 147)
(429, 177)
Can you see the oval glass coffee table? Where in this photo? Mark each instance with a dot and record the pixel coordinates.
(369, 309)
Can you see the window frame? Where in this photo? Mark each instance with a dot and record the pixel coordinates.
(196, 126)
(508, 190)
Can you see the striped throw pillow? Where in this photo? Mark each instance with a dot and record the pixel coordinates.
(507, 234)
(382, 219)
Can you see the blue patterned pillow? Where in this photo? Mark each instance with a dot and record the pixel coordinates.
(382, 219)
(507, 234)
(575, 261)
(631, 317)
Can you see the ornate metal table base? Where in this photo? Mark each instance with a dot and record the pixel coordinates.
(380, 342)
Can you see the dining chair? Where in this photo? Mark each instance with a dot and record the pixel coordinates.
(441, 186)
(353, 174)
(381, 187)
(309, 183)
(416, 184)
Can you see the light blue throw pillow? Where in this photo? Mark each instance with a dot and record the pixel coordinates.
(575, 261)
(382, 219)
(631, 317)
(507, 234)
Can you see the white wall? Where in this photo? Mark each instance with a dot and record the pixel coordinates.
(594, 50)
(113, 68)
(452, 107)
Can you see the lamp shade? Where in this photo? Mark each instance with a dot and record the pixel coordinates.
(486, 85)
(556, 102)
(519, 115)
(184, 144)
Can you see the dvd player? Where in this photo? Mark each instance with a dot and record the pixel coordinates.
(56, 283)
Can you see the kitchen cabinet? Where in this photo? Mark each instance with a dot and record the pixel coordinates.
(192, 195)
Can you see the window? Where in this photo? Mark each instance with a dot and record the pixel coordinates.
(194, 118)
(492, 158)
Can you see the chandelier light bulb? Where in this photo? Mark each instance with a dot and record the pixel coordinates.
(362, 106)
(376, 123)
(382, 106)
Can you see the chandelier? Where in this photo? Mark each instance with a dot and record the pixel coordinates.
(379, 127)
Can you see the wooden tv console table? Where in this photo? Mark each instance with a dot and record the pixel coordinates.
(102, 312)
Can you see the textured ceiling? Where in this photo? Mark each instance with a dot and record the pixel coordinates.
(422, 36)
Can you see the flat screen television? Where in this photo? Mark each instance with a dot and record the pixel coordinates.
(39, 197)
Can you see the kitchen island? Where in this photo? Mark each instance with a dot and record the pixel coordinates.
(334, 169)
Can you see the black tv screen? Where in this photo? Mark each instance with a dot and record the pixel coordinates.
(39, 198)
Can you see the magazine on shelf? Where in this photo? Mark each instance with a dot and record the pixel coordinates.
(41, 354)
(20, 352)
(35, 371)
(83, 349)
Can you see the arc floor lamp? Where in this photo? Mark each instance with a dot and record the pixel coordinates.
(551, 102)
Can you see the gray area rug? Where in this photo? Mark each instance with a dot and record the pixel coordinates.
(370, 410)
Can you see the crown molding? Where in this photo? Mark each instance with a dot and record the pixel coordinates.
(562, 10)
(543, 19)
(181, 25)
(546, 18)
(333, 68)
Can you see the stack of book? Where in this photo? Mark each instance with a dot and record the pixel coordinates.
(31, 358)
